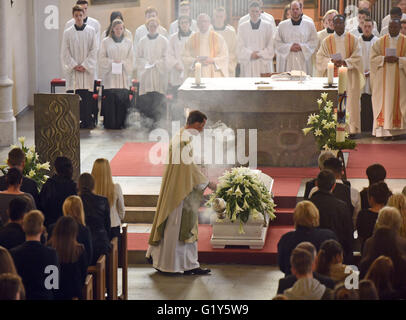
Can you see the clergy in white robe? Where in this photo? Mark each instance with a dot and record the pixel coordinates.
(353, 22)
(357, 30)
(395, 13)
(255, 48)
(173, 239)
(229, 35)
(79, 61)
(347, 45)
(184, 10)
(116, 15)
(208, 48)
(295, 42)
(116, 62)
(265, 16)
(388, 81)
(152, 70)
(396, 3)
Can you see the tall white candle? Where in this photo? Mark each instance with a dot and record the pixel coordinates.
(198, 73)
(330, 72)
(342, 80)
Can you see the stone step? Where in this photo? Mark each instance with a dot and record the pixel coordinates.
(139, 214)
(141, 200)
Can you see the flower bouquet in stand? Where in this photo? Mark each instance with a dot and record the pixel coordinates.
(33, 168)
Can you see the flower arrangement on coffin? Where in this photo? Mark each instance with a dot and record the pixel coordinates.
(324, 127)
(240, 195)
(33, 168)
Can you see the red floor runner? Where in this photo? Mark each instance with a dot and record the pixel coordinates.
(238, 255)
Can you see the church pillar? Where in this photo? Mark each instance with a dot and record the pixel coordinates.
(8, 131)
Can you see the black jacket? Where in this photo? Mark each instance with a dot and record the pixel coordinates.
(12, 235)
(31, 259)
(97, 215)
(28, 186)
(366, 220)
(84, 237)
(289, 281)
(290, 240)
(364, 199)
(53, 194)
(335, 215)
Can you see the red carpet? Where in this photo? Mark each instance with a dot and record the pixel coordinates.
(232, 255)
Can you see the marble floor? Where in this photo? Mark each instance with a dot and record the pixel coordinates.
(227, 282)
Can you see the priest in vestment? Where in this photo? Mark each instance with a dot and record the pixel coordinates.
(174, 234)
(255, 49)
(79, 62)
(347, 45)
(208, 48)
(295, 42)
(388, 81)
(229, 35)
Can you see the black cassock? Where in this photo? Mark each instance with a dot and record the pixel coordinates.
(115, 105)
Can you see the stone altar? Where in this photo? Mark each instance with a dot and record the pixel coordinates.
(277, 109)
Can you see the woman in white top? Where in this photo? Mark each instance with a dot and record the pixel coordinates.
(104, 186)
(116, 62)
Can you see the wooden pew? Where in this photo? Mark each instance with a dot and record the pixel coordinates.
(123, 262)
(87, 291)
(112, 275)
(99, 278)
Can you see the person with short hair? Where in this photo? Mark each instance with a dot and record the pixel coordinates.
(16, 159)
(367, 290)
(395, 13)
(11, 287)
(312, 183)
(353, 22)
(14, 179)
(358, 30)
(334, 213)
(375, 173)
(396, 3)
(97, 216)
(56, 190)
(288, 281)
(184, 11)
(306, 287)
(378, 195)
(33, 260)
(306, 219)
(173, 238)
(12, 234)
(265, 16)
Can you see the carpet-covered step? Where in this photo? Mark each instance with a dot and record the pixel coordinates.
(284, 217)
(139, 214)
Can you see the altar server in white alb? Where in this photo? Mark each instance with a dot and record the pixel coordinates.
(184, 10)
(209, 49)
(305, 16)
(79, 62)
(142, 30)
(396, 3)
(87, 20)
(395, 13)
(353, 22)
(255, 49)
(152, 69)
(295, 42)
(229, 35)
(362, 15)
(343, 49)
(116, 15)
(265, 16)
(388, 80)
(116, 62)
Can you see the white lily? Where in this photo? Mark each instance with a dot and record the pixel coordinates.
(318, 133)
(238, 192)
(324, 96)
(31, 174)
(21, 139)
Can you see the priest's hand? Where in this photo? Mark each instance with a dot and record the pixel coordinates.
(391, 59)
(295, 47)
(80, 69)
(254, 55)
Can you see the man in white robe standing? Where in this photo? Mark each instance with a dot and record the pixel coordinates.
(229, 35)
(173, 239)
(95, 24)
(184, 10)
(265, 16)
(79, 61)
(255, 49)
(295, 42)
(388, 81)
(395, 13)
(366, 41)
(208, 48)
(353, 22)
(396, 3)
(362, 15)
(152, 69)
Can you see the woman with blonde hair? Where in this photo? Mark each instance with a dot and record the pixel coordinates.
(73, 207)
(307, 220)
(398, 201)
(104, 186)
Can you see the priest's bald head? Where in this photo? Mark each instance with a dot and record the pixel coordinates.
(339, 24)
(394, 27)
(203, 22)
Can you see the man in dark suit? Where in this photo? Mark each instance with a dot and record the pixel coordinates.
(16, 159)
(289, 281)
(36, 263)
(12, 235)
(375, 173)
(334, 213)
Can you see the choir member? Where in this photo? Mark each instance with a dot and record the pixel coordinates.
(209, 49)
(116, 15)
(396, 3)
(255, 44)
(295, 42)
(184, 10)
(343, 49)
(353, 23)
(362, 15)
(79, 60)
(116, 61)
(388, 80)
(264, 15)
